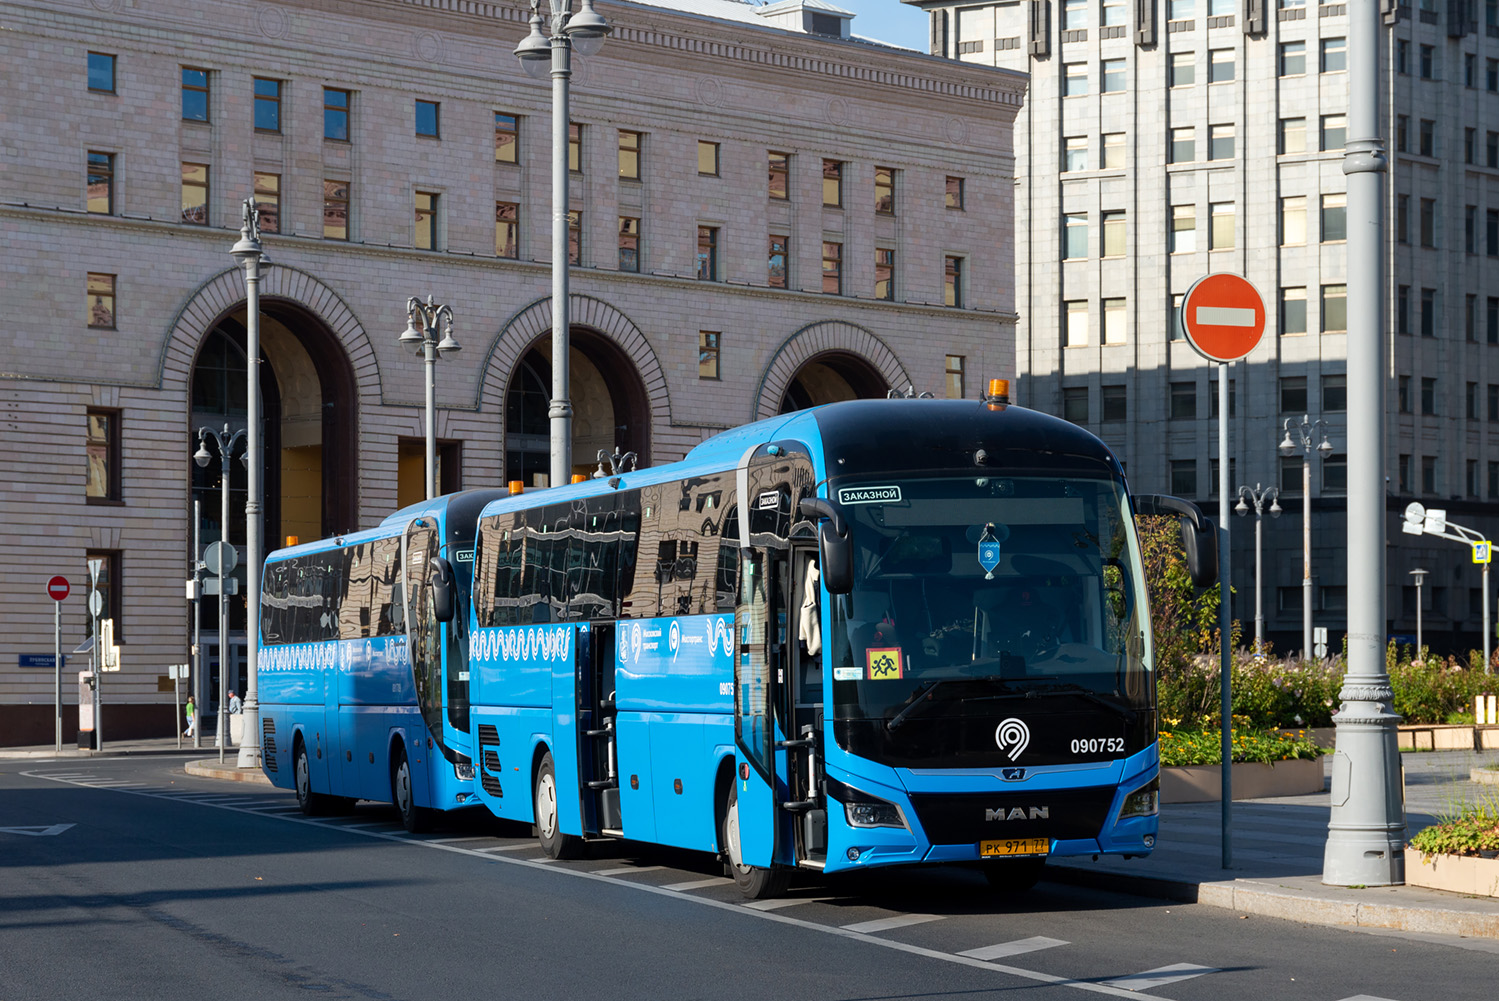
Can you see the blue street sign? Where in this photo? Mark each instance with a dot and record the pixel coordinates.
(39, 660)
(1482, 551)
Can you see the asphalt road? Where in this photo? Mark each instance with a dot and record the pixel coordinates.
(166, 886)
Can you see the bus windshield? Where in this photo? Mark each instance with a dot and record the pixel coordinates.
(972, 591)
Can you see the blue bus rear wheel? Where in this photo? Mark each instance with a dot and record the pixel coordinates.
(414, 818)
(313, 804)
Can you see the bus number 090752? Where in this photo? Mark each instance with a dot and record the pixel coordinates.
(1096, 745)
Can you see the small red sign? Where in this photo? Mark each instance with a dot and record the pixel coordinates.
(57, 588)
(1223, 317)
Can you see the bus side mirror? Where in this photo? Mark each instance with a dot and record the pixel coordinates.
(834, 543)
(1199, 536)
(444, 599)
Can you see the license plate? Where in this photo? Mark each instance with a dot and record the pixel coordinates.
(1016, 846)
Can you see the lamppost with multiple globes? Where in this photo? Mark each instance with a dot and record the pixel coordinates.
(542, 52)
(1257, 495)
(422, 319)
(227, 442)
(1305, 433)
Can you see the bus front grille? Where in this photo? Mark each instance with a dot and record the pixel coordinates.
(968, 818)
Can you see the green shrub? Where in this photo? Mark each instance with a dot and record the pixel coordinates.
(1474, 830)
(1205, 747)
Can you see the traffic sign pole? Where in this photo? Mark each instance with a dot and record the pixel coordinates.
(57, 667)
(96, 656)
(1225, 620)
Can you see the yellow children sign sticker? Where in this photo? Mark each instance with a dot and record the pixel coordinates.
(884, 663)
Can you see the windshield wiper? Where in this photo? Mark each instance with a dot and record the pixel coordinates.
(924, 695)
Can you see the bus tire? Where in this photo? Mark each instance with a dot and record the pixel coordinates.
(548, 815)
(312, 804)
(754, 882)
(1015, 876)
(415, 819)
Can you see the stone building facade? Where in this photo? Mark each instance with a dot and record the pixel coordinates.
(765, 218)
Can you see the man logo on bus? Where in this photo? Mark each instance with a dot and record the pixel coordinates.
(884, 663)
(1012, 735)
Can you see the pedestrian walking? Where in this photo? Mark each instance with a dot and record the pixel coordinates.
(192, 717)
(234, 704)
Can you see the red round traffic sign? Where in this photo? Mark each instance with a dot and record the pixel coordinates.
(57, 588)
(1223, 317)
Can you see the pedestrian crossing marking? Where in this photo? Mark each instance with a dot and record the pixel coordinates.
(623, 870)
(698, 884)
(887, 924)
(1161, 976)
(1015, 948)
(775, 905)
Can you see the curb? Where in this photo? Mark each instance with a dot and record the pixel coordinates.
(1484, 776)
(69, 752)
(210, 768)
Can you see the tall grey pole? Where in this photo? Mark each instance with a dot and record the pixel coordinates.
(1420, 576)
(1488, 634)
(1225, 644)
(96, 655)
(57, 661)
(1306, 550)
(561, 409)
(249, 252)
(219, 717)
(196, 685)
(1366, 828)
(1259, 608)
(429, 363)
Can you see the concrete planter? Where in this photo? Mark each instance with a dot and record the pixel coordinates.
(1251, 780)
(1443, 737)
(1484, 776)
(1457, 873)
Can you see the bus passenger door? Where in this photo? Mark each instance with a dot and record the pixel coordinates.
(759, 673)
(598, 762)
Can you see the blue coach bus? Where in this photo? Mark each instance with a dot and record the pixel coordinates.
(363, 674)
(873, 633)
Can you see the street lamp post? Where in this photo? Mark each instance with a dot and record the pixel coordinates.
(1257, 495)
(249, 254)
(423, 340)
(1421, 520)
(1306, 432)
(541, 52)
(1420, 576)
(227, 443)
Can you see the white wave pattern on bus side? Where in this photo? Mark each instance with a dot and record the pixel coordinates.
(522, 643)
(326, 656)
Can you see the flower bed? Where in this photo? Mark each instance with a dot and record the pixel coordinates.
(1460, 854)
(1205, 747)
(1265, 764)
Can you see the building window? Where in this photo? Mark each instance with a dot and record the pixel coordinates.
(1113, 151)
(707, 158)
(955, 193)
(780, 168)
(1292, 135)
(1183, 144)
(1184, 477)
(1180, 10)
(506, 138)
(832, 183)
(574, 148)
(1403, 394)
(1075, 154)
(708, 344)
(1334, 218)
(427, 118)
(1470, 229)
(1221, 66)
(1293, 394)
(776, 261)
(707, 253)
(1428, 222)
(425, 233)
(1112, 12)
(507, 230)
(1403, 470)
(101, 73)
(194, 94)
(1402, 133)
(1334, 309)
(1233, 474)
(1470, 399)
(101, 183)
(1115, 321)
(1074, 79)
(1470, 318)
(1292, 469)
(1491, 75)
(1076, 334)
(1334, 55)
(1115, 408)
(268, 201)
(1403, 218)
(1220, 142)
(832, 268)
(1334, 132)
(1113, 233)
(335, 210)
(1403, 309)
(195, 194)
(629, 155)
(1293, 221)
(1493, 396)
(1182, 69)
(952, 282)
(1428, 61)
(109, 589)
(884, 274)
(1492, 320)
(267, 105)
(1293, 310)
(1113, 76)
(1075, 404)
(884, 190)
(1493, 480)
(101, 301)
(1491, 149)
(336, 107)
(1174, 331)
(1473, 489)
(956, 390)
(575, 238)
(1292, 58)
(1334, 393)
(102, 476)
(1221, 227)
(1074, 14)
(629, 243)
(1074, 236)
(1491, 232)
(1429, 479)
(1402, 56)
(1428, 138)
(1428, 397)
(1184, 401)
(1183, 236)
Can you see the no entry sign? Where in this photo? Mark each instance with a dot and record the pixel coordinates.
(57, 588)
(1223, 317)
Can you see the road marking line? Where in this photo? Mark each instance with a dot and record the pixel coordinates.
(627, 869)
(448, 841)
(887, 924)
(1366, 997)
(698, 884)
(775, 905)
(1161, 976)
(503, 848)
(1225, 316)
(1015, 948)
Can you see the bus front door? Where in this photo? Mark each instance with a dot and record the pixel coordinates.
(598, 760)
(759, 674)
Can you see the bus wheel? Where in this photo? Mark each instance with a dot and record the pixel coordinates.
(313, 804)
(1014, 876)
(414, 818)
(548, 818)
(753, 881)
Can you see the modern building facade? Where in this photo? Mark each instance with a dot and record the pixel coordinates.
(1168, 139)
(767, 213)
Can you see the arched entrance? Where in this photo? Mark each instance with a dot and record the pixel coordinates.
(831, 377)
(610, 407)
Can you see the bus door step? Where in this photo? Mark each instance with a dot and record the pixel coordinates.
(612, 833)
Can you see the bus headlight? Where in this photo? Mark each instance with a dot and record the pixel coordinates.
(1143, 802)
(464, 770)
(871, 812)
